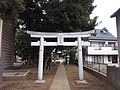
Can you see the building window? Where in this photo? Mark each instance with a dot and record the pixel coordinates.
(109, 59)
(95, 59)
(114, 59)
(101, 59)
(98, 59)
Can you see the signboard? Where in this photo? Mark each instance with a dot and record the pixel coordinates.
(60, 39)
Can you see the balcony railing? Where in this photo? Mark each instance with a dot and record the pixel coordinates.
(100, 47)
(102, 50)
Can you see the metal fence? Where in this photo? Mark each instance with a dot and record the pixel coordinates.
(99, 67)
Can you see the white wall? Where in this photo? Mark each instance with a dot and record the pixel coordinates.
(106, 60)
(102, 51)
(90, 58)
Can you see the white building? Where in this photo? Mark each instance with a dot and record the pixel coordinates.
(103, 48)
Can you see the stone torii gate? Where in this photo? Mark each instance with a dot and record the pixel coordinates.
(60, 42)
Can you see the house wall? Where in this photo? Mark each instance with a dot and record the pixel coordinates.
(101, 49)
(118, 32)
(7, 46)
(89, 58)
(106, 60)
(97, 45)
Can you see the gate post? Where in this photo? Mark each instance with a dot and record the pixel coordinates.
(80, 60)
(1, 59)
(40, 62)
(80, 63)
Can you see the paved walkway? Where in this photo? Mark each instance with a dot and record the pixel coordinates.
(60, 81)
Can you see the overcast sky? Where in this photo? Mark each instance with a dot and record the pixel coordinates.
(104, 9)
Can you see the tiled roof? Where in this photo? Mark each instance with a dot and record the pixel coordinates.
(103, 34)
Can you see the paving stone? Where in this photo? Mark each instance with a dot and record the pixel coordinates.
(60, 81)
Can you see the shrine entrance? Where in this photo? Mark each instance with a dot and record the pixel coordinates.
(60, 42)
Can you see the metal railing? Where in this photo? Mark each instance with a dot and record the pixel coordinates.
(99, 67)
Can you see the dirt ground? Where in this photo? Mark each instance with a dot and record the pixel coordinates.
(93, 82)
(29, 83)
(72, 74)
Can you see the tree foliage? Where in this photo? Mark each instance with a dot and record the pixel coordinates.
(11, 8)
(58, 15)
(22, 44)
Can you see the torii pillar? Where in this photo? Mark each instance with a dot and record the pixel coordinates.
(40, 62)
(80, 64)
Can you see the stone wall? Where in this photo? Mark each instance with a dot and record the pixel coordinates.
(114, 75)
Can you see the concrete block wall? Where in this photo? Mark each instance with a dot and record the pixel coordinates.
(114, 75)
(110, 78)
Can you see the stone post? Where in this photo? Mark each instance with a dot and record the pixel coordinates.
(40, 62)
(80, 60)
(68, 59)
(80, 63)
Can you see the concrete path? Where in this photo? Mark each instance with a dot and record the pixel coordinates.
(60, 81)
